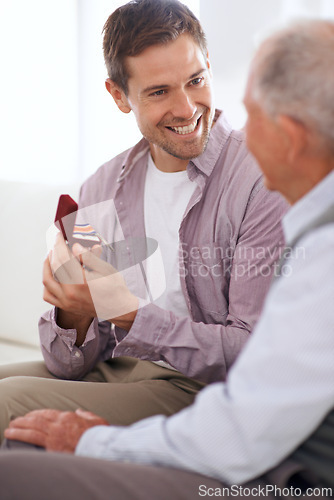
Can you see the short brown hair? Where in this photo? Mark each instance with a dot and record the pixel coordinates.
(140, 24)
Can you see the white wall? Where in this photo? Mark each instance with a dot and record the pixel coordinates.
(38, 89)
(234, 28)
(58, 123)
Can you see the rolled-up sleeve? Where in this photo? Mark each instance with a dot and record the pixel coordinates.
(63, 358)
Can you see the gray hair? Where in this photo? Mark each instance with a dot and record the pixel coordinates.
(294, 75)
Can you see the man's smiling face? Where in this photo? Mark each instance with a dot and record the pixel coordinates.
(170, 94)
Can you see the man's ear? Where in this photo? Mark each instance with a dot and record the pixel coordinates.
(296, 134)
(118, 95)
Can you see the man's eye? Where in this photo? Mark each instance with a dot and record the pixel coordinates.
(158, 92)
(197, 81)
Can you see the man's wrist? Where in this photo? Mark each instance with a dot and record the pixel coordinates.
(71, 321)
(92, 442)
(125, 321)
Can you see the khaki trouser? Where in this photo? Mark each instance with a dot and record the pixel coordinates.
(122, 391)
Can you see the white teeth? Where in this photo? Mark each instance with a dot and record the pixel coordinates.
(185, 130)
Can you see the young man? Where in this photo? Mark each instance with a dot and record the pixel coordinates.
(278, 400)
(191, 185)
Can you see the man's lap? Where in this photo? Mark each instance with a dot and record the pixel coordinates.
(131, 390)
(38, 474)
(35, 475)
(127, 481)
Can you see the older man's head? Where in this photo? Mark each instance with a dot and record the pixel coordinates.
(290, 103)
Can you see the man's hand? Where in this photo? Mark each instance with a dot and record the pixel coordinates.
(52, 429)
(64, 281)
(85, 286)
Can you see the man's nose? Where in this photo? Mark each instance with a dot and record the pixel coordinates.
(183, 105)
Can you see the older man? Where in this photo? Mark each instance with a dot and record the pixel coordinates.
(269, 430)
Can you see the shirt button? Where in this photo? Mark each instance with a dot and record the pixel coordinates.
(77, 354)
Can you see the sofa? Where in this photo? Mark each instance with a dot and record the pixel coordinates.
(27, 211)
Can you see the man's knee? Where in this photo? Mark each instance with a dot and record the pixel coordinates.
(29, 369)
(11, 387)
(15, 399)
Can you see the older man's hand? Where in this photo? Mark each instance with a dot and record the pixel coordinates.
(52, 429)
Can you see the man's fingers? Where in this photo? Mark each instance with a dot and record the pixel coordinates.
(48, 278)
(30, 423)
(60, 252)
(78, 249)
(47, 413)
(88, 415)
(32, 428)
(97, 250)
(27, 436)
(93, 262)
(52, 288)
(64, 266)
(39, 420)
(69, 272)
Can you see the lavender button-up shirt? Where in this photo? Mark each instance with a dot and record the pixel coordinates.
(230, 238)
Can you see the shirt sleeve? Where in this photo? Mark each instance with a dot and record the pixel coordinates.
(277, 393)
(63, 358)
(207, 351)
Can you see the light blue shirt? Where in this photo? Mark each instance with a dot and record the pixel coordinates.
(277, 392)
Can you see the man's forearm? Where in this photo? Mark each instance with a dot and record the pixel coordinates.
(68, 320)
(211, 349)
(126, 320)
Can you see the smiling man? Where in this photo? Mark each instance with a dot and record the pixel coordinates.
(191, 185)
(172, 100)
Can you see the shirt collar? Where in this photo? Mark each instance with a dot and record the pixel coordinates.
(219, 135)
(134, 154)
(309, 208)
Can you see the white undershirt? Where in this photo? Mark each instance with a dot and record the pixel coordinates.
(165, 200)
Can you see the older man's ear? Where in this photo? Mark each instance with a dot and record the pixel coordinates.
(297, 135)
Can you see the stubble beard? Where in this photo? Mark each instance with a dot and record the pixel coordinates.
(191, 149)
